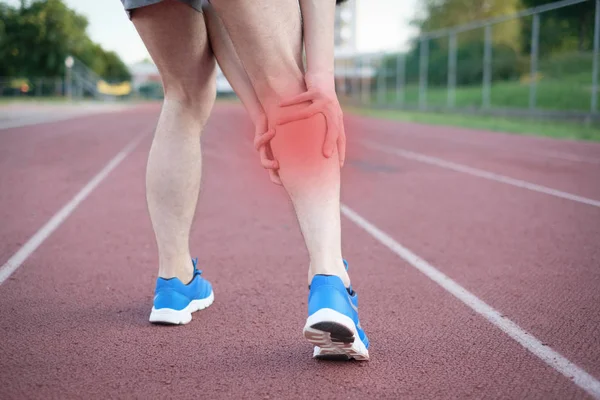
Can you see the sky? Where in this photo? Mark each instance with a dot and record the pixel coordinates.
(382, 25)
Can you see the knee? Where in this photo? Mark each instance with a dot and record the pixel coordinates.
(272, 90)
(193, 92)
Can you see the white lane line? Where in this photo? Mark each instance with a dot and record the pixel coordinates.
(45, 231)
(563, 156)
(49, 115)
(581, 378)
(411, 155)
(35, 120)
(450, 137)
(539, 153)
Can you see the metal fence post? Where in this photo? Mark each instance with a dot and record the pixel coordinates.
(535, 41)
(381, 81)
(487, 67)
(369, 81)
(363, 81)
(423, 72)
(345, 77)
(595, 60)
(451, 102)
(350, 71)
(356, 84)
(69, 84)
(401, 78)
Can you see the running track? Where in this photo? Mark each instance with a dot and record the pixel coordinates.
(476, 256)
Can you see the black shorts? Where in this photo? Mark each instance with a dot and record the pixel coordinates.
(133, 4)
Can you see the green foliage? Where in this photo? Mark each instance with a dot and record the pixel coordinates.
(567, 29)
(115, 69)
(555, 129)
(565, 86)
(565, 35)
(506, 64)
(439, 14)
(36, 38)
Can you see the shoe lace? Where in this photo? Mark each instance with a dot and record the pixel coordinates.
(196, 270)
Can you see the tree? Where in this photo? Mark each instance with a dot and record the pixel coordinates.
(6, 68)
(115, 69)
(439, 14)
(563, 29)
(40, 36)
(37, 37)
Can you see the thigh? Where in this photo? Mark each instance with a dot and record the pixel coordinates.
(176, 37)
(230, 63)
(267, 36)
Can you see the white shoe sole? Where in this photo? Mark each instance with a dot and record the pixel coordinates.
(180, 317)
(335, 336)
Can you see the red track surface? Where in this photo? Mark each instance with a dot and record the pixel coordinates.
(73, 317)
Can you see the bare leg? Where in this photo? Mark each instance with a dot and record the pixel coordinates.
(175, 35)
(268, 39)
(231, 65)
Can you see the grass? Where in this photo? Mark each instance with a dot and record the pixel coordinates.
(553, 129)
(33, 99)
(565, 84)
(569, 94)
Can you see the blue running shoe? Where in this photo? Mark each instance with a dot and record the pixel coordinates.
(333, 325)
(175, 302)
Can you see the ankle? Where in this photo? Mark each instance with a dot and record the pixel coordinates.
(333, 268)
(182, 270)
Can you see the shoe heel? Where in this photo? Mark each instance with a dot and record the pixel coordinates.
(334, 336)
(169, 316)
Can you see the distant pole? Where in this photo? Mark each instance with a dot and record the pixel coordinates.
(381, 81)
(451, 101)
(596, 61)
(401, 78)
(487, 67)
(68, 79)
(423, 72)
(345, 76)
(363, 85)
(535, 41)
(368, 82)
(357, 83)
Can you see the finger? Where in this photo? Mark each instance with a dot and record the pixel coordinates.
(300, 114)
(275, 177)
(273, 173)
(342, 142)
(301, 98)
(263, 139)
(266, 161)
(270, 156)
(331, 136)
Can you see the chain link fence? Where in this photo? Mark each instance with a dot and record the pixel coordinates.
(480, 68)
(33, 87)
(79, 82)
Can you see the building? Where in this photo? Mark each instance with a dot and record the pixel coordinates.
(145, 72)
(345, 27)
(142, 73)
(223, 86)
